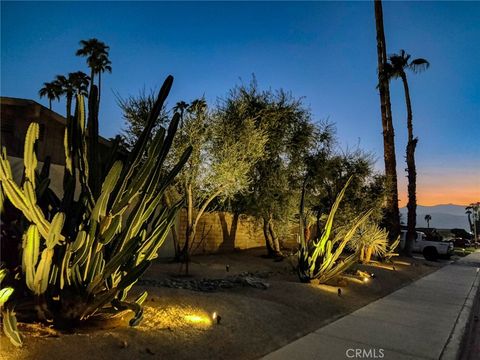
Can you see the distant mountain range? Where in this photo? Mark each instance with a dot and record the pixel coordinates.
(448, 216)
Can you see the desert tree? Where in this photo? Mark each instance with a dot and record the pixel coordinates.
(277, 177)
(223, 154)
(135, 111)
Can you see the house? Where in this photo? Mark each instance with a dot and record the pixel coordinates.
(17, 114)
(15, 117)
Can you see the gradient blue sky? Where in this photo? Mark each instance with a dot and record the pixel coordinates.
(323, 51)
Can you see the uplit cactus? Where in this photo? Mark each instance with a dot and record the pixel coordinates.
(81, 257)
(319, 259)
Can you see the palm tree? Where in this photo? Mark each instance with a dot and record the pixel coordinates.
(50, 90)
(96, 53)
(469, 215)
(427, 219)
(197, 106)
(74, 83)
(396, 69)
(392, 214)
(67, 89)
(180, 107)
(80, 82)
(103, 64)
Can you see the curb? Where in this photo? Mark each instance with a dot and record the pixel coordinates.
(452, 349)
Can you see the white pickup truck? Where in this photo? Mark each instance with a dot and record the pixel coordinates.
(431, 249)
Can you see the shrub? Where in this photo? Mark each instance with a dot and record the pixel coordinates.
(81, 257)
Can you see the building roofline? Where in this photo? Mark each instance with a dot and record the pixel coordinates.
(6, 100)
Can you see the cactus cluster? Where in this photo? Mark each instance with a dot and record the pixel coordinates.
(320, 259)
(82, 254)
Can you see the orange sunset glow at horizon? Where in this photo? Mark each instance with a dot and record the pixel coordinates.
(446, 189)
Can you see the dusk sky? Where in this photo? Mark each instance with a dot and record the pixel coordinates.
(322, 51)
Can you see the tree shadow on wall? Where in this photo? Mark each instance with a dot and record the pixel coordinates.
(229, 236)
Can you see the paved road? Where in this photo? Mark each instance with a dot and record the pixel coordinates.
(424, 320)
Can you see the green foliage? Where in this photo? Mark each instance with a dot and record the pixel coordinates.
(328, 173)
(223, 154)
(78, 256)
(135, 111)
(277, 176)
(8, 316)
(320, 258)
(391, 249)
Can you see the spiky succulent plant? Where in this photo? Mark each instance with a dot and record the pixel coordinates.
(82, 254)
(320, 258)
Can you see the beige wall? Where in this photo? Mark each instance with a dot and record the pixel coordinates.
(225, 232)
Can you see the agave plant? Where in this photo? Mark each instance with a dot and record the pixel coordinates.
(368, 240)
(320, 258)
(391, 250)
(81, 255)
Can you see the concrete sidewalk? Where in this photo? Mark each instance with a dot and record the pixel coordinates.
(424, 320)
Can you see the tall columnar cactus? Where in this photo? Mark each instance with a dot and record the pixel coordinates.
(319, 259)
(80, 257)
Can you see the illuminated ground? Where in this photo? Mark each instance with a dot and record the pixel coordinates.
(178, 324)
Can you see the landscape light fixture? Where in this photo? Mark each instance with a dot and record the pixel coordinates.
(339, 292)
(217, 317)
(227, 267)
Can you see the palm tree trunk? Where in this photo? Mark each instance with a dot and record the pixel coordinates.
(92, 77)
(50, 104)
(99, 87)
(391, 214)
(69, 106)
(411, 173)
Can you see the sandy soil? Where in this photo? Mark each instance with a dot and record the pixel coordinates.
(178, 323)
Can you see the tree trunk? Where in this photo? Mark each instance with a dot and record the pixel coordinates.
(190, 227)
(99, 88)
(92, 76)
(307, 232)
(411, 174)
(69, 106)
(268, 241)
(392, 214)
(274, 237)
(50, 104)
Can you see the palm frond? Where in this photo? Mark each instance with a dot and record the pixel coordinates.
(419, 65)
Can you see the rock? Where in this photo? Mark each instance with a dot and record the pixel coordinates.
(123, 344)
